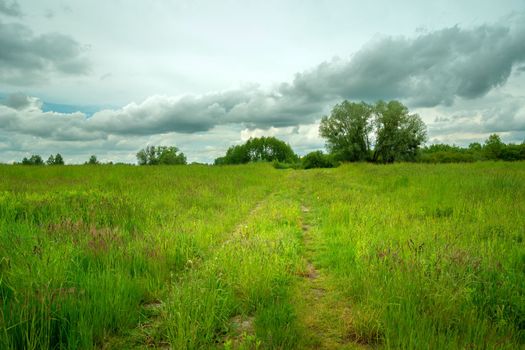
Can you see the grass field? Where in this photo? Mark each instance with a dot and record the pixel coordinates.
(404, 256)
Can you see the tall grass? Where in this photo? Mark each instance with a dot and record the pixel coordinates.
(415, 255)
(428, 256)
(84, 249)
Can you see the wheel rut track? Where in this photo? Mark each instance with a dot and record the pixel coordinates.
(324, 314)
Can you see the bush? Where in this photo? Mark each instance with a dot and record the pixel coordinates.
(35, 159)
(492, 149)
(447, 157)
(55, 160)
(92, 160)
(266, 149)
(318, 159)
(281, 165)
(162, 155)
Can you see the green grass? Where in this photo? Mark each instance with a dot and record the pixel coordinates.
(428, 256)
(405, 256)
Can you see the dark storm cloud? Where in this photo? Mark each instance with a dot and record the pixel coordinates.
(20, 101)
(27, 59)
(10, 8)
(430, 70)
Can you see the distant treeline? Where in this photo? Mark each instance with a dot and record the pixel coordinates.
(383, 132)
(492, 149)
(57, 159)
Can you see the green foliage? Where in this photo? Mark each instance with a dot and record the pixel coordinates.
(266, 149)
(92, 160)
(161, 155)
(493, 149)
(475, 147)
(442, 153)
(318, 159)
(512, 152)
(55, 160)
(350, 127)
(281, 165)
(347, 130)
(35, 159)
(398, 133)
(58, 159)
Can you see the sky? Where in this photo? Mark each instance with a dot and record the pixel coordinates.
(111, 77)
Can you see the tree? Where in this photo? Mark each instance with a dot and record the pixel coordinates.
(265, 149)
(169, 156)
(58, 159)
(347, 130)
(55, 160)
(50, 160)
(493, 147)
(398, 134)
(155, 155)
(35, 159)
(475, 147)
(93, 160)
(512, 152)
(318, 159)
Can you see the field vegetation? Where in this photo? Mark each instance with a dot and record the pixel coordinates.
(404, 255)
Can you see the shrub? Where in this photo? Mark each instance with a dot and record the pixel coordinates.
(155, 155)
(35, 159)
(281, 165)
(318, 159)
(266, 149)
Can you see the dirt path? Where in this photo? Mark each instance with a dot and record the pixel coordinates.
(324, 314)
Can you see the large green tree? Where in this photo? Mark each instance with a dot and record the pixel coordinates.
(55, 160)
(398, 133)
(259, 149)
(58, 159)
(351, 126)
(35, 159)
(347, 130)
(493, 147)
(92, 160)
(161, 155)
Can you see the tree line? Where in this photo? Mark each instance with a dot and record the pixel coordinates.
(57, 159)
(354, 131)
(492, 149)
(35, 159)
(383, 132)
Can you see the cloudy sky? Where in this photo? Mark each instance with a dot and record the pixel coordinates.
(110, 77)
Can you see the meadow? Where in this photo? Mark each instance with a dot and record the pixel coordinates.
(410, 256)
